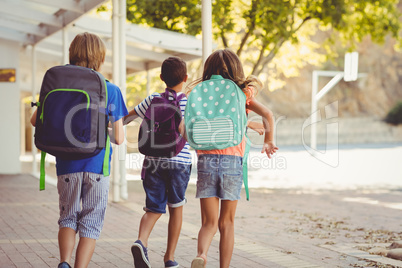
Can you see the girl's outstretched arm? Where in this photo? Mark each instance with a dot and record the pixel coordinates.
(269, 146)
(258, 127)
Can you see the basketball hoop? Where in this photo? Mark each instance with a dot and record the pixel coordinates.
(351, 66)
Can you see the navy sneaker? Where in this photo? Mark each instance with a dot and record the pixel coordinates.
(140, 254)
(171, 264)
(64, 265)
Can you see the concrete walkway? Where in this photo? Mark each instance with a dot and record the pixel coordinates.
(276, 228)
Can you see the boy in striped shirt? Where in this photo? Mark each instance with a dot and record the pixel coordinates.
(165, 180)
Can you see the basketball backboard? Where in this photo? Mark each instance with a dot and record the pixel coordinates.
(351, 66)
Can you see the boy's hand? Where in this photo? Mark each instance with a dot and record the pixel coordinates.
(269, 148)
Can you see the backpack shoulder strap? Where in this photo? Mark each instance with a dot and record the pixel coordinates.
(181, 96)
(105, 169)
(171, 93)
(245, 166)
(42, 171)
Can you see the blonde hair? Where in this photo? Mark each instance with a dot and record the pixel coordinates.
(87, 50)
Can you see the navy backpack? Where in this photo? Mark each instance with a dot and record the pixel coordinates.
(159, 134)
(71, 120)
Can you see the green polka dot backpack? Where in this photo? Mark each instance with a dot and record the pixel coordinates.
(216, 117)
(215, 114)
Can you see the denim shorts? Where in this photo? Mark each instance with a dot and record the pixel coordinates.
(219, 176)
(165, 183)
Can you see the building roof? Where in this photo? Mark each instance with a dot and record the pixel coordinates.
(30, 21)
(39, 23)
(146, 48)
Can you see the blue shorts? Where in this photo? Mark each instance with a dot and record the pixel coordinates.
(219, 176)
(82, 202)
(164, 183)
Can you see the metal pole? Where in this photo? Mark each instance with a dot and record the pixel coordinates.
(148, 82)
(33, 86)
(122, 83)
(206, 14)
(313, 116)
(329, 86)
(115, 53)
(65, 46)
(316, 96)
(349, 74)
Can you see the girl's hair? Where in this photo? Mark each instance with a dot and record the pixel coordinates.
(226, 63)
(87, 50)
(253, 81)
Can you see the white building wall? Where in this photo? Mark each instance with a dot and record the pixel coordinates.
(10, 127)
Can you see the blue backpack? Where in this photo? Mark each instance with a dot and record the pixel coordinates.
(216, 117)
(71, 120)
(159, 134)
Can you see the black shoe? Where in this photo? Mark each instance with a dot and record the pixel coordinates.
(64, 265)
(140, 255)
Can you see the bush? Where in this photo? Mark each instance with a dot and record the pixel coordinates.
(394, 116)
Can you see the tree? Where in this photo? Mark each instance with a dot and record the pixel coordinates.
(183, 16)
(265, 26)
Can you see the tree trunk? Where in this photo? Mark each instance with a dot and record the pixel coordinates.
(261, 64)
(224, 40)
(243, 42)
(260, 57)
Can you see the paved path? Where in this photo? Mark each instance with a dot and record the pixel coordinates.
(275, 229)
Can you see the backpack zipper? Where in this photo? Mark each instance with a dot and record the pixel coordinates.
(66, 89)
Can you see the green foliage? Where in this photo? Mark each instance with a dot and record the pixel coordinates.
(394, 116)
(137, 84)
(264, 26)
(274, 38)
(181, 16)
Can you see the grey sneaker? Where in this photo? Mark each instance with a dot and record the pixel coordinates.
(140, 255)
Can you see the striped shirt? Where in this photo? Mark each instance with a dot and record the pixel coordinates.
(184, 157)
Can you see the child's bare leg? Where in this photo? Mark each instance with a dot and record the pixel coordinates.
(226, 229)
(209, 221)
(85, 250)
(175, 223)
(147, 223)
(66, 243)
